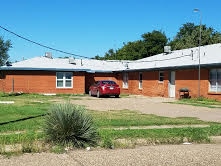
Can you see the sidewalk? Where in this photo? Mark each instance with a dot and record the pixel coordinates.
(161, 127)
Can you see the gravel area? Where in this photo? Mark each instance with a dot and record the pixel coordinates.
(163, 155)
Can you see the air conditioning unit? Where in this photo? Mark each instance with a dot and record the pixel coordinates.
(72, 61)
(126, 65)
(167, 49)
(48, 55)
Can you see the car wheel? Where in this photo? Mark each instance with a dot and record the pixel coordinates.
(98, 94)
(90, 93)
(117, 96)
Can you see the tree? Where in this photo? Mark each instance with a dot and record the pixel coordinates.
(154, 42)
(131, 51)
(110, 55)
(4, 48)
(188, 36)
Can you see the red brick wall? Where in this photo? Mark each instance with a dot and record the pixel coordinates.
(45, 82)
(183, 78)
(189, 78)
(39, 82)
(151, 85)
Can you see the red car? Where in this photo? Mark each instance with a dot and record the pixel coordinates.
(104, 88)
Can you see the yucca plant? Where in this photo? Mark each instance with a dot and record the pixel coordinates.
(70, 124)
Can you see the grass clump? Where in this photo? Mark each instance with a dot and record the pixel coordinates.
(107, 142)
(201, 101)
(131, 137)
(68, 124)
(58, 149)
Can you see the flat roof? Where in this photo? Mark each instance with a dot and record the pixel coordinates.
(210, 56)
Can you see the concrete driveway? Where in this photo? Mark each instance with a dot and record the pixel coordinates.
(151, 105)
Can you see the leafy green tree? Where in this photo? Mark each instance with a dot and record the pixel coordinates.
(188, 36)
(98, 57)
(132, 51)
(111, 54)
(4, 48)
(154, 42)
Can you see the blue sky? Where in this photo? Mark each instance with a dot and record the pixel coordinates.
(92, 27)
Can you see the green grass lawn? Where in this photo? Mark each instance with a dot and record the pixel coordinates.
(127, 118)
(33, 105)
(11, 112)
(202, 102)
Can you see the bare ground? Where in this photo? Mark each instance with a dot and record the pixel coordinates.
(164, 155)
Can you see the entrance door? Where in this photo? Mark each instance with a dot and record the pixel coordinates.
(171, 85)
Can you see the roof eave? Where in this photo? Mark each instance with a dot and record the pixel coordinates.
(173, 67)
(99, 71)
(40, 69)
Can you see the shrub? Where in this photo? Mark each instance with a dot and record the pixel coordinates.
(70, 124)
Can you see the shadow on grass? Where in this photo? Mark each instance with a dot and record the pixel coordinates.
(22, 119)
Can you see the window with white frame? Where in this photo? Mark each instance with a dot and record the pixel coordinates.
(125, 80)
(161, 76)
(64, 79)
(140, 80)
(215, 80)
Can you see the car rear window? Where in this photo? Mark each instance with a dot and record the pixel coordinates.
(108, 82)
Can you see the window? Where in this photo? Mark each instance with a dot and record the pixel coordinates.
(108, 82)
(64, 79)
(140, 80)
(215, 80)
(161, 76)
(125, 80)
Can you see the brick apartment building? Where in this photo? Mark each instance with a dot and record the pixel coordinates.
(160, 75)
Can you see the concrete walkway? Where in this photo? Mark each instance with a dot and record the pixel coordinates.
(160, 127)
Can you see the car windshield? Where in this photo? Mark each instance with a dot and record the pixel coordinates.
(108, 82)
